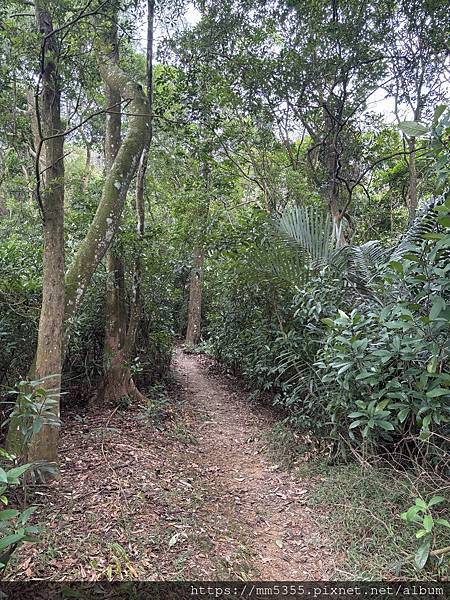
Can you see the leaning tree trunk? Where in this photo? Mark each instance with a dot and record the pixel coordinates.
(193, 331)
(48, 362)
(121, 331)
(109, 212)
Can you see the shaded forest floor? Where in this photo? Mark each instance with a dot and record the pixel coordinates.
(189, 492)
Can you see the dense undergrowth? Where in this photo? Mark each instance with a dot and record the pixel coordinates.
(354, 348)
(366, 368)
(362, 504)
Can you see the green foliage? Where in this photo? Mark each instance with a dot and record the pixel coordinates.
(372, 377)
(20, 294)
(158, 405)
(14, 527)
(311, 231)
(362, 504)
(422, 516)
(33, 408)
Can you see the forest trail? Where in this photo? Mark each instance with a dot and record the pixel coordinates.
(248, 492)
(189, 494)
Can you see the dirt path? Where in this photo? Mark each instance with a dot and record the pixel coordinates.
(189, 493)
(248, 493)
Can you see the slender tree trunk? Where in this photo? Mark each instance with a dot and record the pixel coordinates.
(44, 443)
(115, 307)
(193, 331)
(412, 198)
(87, 167)
(136, 301)
(330, 160)
(194, 323)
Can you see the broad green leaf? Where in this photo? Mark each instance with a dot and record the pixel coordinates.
(442, 522)
(355, 424)
(14, 474)
(10, 513)
(27, 514)
(439, 305)
(413, 128)
(422, 555)
(435, 500)
(403, 414)
(386, 425)
(421, 503)
(421, 533)
(428, 523)
(37, 424)
(396, 265)
(9, 540)
(438, 391)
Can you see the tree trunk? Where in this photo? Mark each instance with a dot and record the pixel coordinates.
(337, 220)
(44, 443)
(194, 322)
(115, 307)
(193, 332)
(136, 304)
(87, 167)
(109, 212)
(331, 164)
(412, 199)
(107, 217)
(120, 331)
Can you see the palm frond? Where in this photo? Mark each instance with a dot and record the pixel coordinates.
(304, 241)
(425, 222)
(281, 263)
(309, 229)
(360, 263)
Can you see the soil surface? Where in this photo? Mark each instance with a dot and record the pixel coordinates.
(182, 489)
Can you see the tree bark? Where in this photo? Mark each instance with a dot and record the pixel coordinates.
(194, 324)
(115, 308)
(121, 331)
(193, 331)
(136, 302)
(412, 198)
(331, 163)
(87, 167)
(108, 215)
(44, 443)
